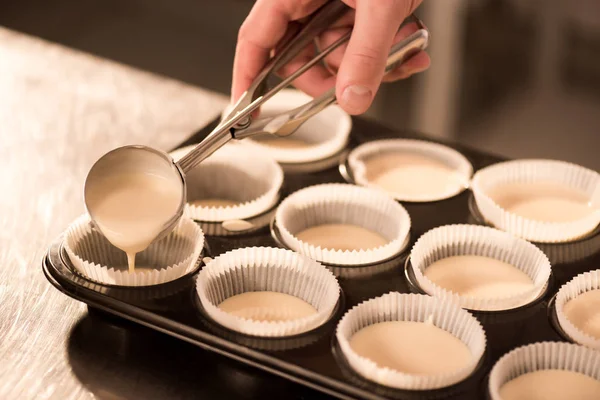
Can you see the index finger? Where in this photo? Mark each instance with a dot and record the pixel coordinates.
(263, 28)
(260, 33)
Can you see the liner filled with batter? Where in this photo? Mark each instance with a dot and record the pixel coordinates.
(343, 224)
(577, 307)
(410, 170)
(479, 268)
(546, 371)
(441, 344)
(165, 260)
(543, 201)
(267, 292)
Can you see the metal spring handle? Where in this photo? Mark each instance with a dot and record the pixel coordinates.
(238, 123)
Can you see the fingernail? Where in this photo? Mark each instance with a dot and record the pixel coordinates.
(356, 99)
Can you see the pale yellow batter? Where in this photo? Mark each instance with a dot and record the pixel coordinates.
(284, 143)
(267, 306)
(584, 312)
(131, 209)
(551, 384)
(214, 203)
(414, 175)
(342, 237)
(478, 276)
(546, 202)
(411, 347)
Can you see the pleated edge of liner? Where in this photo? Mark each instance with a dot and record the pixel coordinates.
(443, 380)
(248, 209)
(357, 165)
(291, 327)
(580, 284)
(122, 278)
(491, 304)
(522, 227)
(548, 349)
(342, 258)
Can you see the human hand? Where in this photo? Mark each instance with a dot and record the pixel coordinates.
(356, 68)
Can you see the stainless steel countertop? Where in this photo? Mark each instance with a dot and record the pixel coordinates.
(59, 111)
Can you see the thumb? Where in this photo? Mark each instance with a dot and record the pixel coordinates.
(363, 65)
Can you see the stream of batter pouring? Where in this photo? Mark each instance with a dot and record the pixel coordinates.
(131, 209)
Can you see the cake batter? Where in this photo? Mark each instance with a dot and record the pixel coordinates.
(267, 306)
(478, 276)
(584, 312)
(346, 237)
(411, 347)
(551, 384)
(546, 202)
(411, 175)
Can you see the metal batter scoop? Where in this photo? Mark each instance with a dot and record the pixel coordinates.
(238, 124)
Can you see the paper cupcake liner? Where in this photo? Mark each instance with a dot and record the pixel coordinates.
(543, 356)
(531, 171)
(343, 203)
(328, 131)
(234, 172)
(417, 308)
(267, 269)
(580, 284)
(450, 157)
(558, 253)
(457, 240)
(94, 257)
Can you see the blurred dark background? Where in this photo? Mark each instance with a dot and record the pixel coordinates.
(519, 78)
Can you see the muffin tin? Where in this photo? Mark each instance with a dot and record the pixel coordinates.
(314, 358)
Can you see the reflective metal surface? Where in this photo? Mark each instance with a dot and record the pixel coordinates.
(60, 110)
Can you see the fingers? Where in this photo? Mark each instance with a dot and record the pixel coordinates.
(363, 63)
(259, 34)
(313, 82)
(417, 63)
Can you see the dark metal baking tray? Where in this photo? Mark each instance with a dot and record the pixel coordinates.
(313, 359)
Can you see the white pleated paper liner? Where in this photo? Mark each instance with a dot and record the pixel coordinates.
(567, 175)
(170, 258)
(459, 240)
(459, 169)
(543, 356)
(320, 137)
(577, 286)
(343, 204)
(267, 269)
(416, 308)
(558, 253)
(237, 173)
